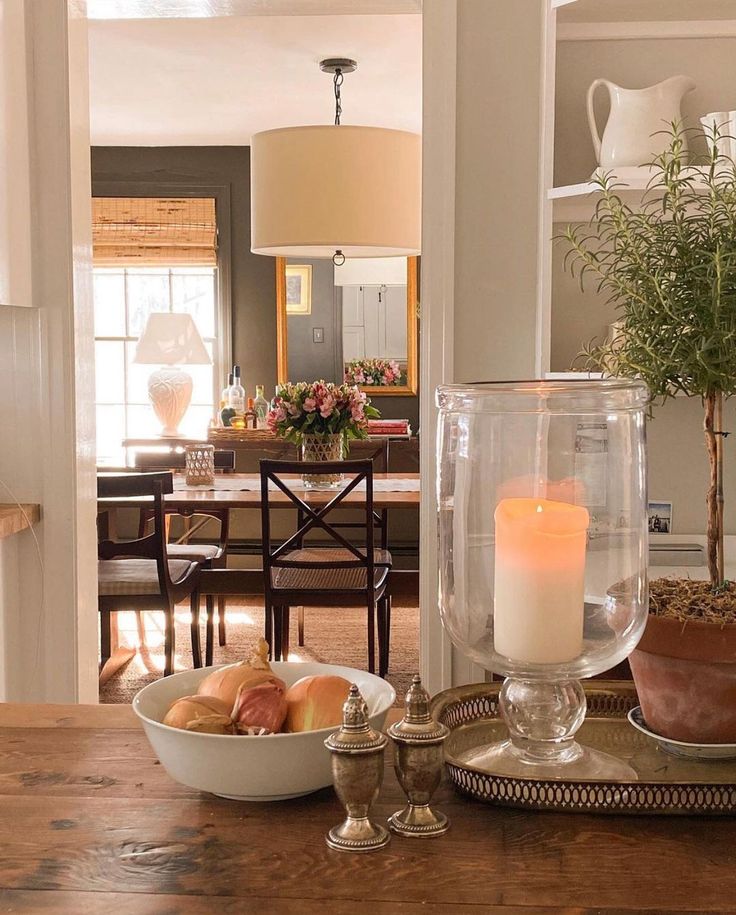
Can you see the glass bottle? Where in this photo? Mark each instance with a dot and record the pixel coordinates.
(261, 407)
(236, 398)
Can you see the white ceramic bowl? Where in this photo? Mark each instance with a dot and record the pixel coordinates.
(268, 768)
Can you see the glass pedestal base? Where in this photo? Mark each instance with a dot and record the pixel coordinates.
(543, 717)
(503, 758)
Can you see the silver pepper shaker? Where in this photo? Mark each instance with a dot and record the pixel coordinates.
(357, 773)
(418, 762)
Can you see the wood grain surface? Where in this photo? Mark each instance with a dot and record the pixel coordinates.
(197, 497)
(14, 518)
(91, 822)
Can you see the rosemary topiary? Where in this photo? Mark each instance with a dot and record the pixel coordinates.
(669, 265)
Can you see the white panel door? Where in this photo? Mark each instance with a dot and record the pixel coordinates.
(394, 316)
(372, 320)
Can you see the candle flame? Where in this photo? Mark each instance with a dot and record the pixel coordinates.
(539, 508)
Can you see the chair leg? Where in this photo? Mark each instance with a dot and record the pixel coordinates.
(276, 613)
(169, 641)
(105, 637)
(284, 633)
(221, 604)
(300, 626)
(268, 627)
(384, 636)
(194, 626)
(381, 612)
(372, 637)
(209, 630)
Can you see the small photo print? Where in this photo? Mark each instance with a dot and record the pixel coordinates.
(660, 517)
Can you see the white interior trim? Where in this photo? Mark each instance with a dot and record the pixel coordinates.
(634, 31)
(546, 179)
(437, 306)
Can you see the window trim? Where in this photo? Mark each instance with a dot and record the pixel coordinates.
(223, 275)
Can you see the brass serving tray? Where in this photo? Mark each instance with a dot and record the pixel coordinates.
(666, 784)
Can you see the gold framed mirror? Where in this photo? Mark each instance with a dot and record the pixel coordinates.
(370, 328)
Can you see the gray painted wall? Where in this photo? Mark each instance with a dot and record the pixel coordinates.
(253, 276)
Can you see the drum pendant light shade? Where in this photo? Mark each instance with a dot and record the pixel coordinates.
(317, 190)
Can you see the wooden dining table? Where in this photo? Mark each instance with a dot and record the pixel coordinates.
(91, 823)
(242, 491)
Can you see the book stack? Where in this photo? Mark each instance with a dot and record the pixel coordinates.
(398, 428)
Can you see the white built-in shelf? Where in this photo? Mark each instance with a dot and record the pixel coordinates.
(621, 20)
(576, 202)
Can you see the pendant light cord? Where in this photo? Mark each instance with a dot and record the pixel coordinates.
(338, 258)
(337, 82)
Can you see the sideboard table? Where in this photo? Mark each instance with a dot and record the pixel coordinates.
(91, 823)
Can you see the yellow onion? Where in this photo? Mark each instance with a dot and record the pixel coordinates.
(225, 682)
(262, 706)
(316, 702)
(205, 714)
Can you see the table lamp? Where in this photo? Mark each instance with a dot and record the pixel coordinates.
(170, 340)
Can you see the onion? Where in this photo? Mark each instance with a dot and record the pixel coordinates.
(316, 702)
(225, 682)
(205, 714)
(262, 706)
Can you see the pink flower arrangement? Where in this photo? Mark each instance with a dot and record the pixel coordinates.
(320, 408)
(379, 372)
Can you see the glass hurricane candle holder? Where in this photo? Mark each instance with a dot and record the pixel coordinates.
(543, 553)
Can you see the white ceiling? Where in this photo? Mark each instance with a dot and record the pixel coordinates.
(216, 81)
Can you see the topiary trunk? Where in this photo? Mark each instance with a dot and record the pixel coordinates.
(712, 423)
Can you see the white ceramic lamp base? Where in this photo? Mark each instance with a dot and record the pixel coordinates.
(170, 392)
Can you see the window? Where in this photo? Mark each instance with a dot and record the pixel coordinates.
(123, 298)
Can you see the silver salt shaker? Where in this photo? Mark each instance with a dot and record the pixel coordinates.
(357, 772)
(418, 759)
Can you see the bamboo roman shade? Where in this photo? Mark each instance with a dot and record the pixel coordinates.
(154, 231)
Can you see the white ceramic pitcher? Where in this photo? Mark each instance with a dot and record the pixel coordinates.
(725, 122)
(632, 135)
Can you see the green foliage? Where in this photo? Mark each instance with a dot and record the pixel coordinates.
(670, 268)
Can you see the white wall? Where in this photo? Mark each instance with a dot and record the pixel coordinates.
(48, 620)
(486, 169)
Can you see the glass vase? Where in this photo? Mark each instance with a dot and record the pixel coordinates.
(322, 448)
(543, 553)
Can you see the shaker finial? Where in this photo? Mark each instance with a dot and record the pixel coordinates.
(355, 710)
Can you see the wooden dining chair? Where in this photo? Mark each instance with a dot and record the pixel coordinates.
(375, 451)
(210, 555)
(139, 574)
(342, 574)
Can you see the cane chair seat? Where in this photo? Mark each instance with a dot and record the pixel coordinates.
(196, 552)
(117, 577)
(334, 579)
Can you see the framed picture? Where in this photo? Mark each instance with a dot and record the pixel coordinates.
(298, 289)
(660, 517)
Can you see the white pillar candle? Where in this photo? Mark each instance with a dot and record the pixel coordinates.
(539, 580)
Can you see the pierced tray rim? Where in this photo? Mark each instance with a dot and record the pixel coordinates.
(576, 795)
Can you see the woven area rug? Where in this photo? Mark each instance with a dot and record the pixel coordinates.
(332, 635)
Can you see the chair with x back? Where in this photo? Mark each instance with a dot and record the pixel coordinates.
(138, 574)
(341, 573)
(211, 555)
(374, 450)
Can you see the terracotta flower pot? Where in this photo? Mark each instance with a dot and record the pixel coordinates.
(685, 675)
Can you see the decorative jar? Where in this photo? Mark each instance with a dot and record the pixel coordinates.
(543, 553)
(322, 448)
(199, 465)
